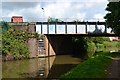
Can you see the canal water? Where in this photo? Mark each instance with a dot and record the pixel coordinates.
(49, 67)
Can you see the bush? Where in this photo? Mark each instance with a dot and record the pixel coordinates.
(110, 44)
(99, 46)
(90, 48)
(14, 42)
(118, 45)
(97, 39)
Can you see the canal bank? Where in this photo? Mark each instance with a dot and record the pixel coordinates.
(101, 66)
(47, 67)
(53, 67)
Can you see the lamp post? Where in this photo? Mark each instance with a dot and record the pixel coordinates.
(42, 20)
(43, 15)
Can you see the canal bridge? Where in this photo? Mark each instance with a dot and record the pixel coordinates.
(60, 43)
(74, 25)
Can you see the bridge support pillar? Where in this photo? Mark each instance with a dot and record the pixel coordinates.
(49, 51)
(33, 47)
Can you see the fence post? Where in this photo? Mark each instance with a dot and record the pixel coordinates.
(56, 27)
(86, 27)
(41, 28)
(48, 28)
(66, 28)
(76, 27)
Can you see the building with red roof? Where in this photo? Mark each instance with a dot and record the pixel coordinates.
(17, 19)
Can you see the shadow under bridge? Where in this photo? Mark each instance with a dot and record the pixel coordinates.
(63, 44)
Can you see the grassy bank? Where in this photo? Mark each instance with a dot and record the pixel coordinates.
(96, 44)
(94, 67)
(96, 64)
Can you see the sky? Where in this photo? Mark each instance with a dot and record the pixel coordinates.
(66, 10)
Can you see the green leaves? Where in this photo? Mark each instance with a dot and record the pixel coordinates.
(4, 25)
(113, 16)
(14, 42)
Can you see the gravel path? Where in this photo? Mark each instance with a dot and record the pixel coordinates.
(114, 70)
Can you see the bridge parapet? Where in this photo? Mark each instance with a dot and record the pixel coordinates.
(30, 26)
(74, 26)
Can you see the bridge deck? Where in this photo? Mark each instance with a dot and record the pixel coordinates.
(60, 23)
(74, 25)
(66, 24)
(86, 35)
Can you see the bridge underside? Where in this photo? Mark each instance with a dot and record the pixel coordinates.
(86, 35)
(56, 44)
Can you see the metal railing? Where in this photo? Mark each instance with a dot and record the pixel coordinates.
(73, 25)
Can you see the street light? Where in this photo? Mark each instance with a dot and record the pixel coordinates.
(42, 19)
(42, 8)
(43, 14)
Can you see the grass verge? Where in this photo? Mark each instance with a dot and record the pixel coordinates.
(94, 67)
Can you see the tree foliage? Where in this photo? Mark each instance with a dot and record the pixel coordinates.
(50, 19)
(14, 42)
(4, 25)
(97, 39)
(113, 16)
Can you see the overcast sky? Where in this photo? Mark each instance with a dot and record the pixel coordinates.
(67, 10)
(62, 9)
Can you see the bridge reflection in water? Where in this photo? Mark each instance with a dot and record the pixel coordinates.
(49, 67)
(32, 68)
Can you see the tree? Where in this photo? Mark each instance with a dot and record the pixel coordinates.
(4, 25)
(50, 19)
(76, 20)
(113, 16)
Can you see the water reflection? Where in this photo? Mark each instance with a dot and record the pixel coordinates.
(50, 67)
(62, 64)
(27, 68)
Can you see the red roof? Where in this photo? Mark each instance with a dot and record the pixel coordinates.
(16, 19)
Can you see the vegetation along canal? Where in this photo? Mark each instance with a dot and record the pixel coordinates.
(49, 67)
(77, 50)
